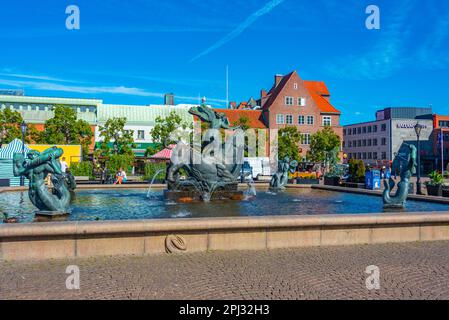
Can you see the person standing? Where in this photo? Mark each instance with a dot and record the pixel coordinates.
(64, 165)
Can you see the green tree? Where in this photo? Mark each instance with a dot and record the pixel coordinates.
(116, 140)
(10, 122)
(243, 122)
(162, 133)
(288, 141)
(66, 128)
(321, 143)
(116, 148)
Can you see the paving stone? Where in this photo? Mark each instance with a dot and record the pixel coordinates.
(407, 271)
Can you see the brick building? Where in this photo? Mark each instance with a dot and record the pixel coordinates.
(304, 104)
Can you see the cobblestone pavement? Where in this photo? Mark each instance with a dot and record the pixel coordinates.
(407, 271)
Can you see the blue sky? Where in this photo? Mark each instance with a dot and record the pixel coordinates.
(133, 52)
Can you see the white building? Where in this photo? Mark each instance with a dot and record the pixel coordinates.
(378, 142)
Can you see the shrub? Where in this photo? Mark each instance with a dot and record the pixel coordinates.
(117, 161)
(151, 169)
(82, 169)
(436, 179)
(357, 170)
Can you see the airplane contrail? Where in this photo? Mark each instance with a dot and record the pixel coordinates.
(240, 28)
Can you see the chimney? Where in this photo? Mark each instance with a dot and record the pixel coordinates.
(169, 99)
(263, 93)
(277, 79)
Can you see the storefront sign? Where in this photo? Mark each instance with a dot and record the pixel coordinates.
(409, 126)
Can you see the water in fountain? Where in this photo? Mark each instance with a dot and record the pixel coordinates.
(152, 181)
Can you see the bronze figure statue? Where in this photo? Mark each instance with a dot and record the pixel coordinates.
(400, 198)
(36, 167)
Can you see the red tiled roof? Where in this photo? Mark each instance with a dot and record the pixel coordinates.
(317, 90)
(254, 116)
(317, 86)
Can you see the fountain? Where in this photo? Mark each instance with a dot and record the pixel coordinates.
(210, 176)
(152, 181)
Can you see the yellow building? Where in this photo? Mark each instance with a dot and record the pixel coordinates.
(72, 153)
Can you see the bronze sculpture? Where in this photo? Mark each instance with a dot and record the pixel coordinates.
(211, 173)
(400, 198)
(36, 167)
(280, 179)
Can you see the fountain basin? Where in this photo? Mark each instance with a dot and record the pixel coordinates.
(145, 237)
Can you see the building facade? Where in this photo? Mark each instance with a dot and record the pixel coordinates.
(304, 104)
(140, 119)
(379, 142)
(37, 110)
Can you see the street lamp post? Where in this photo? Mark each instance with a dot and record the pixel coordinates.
(23, 128)
(418, 127)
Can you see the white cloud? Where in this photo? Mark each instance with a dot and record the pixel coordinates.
(119, 90)
(241, 27)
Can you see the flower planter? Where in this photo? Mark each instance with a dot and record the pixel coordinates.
(435, 190)
(332, 181)
(445, 192)
(307, 181)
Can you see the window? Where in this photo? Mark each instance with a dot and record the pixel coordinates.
(289, 119)
(344, 144)
(384, 156)
(344, 132)
(354, 131)
(364, 129)
(384, 127)
(369, 129)
(327, 121)
(302, 102)
(364, 142)
(369, 142)
(349, 132)
(279, 119)
(375, 155)
(306, 138)
(443, 124)
(384, 141)
(288, 101)
(359, 143)
(349, 144)
(359, 155)
(310, 120)
(295, 86)
(140, 135)
(375, 128)
(301, 120)
(370, 155)
(364, 156)
(359, 130)
(374, 142)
